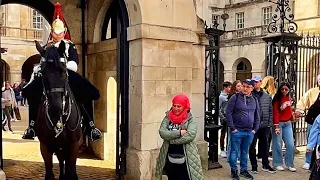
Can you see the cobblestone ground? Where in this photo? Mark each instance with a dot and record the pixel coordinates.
(22, 158)
(300, 174)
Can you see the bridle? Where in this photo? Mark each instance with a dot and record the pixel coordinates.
(67, 98)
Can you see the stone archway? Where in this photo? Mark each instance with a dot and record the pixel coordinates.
(5, 71)
(243, 69)
(27, 67)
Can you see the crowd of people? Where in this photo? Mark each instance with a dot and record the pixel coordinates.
(11, 96)
(254, 110)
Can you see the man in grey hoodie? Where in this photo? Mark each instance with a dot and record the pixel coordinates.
(223, 99)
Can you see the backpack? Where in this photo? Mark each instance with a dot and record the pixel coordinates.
(315, 172)
(313, 111)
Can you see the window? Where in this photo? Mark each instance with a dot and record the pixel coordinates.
(266, 15)
(215, 17)
(37, 20)
(239, 20)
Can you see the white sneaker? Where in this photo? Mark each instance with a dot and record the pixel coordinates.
(279, 168)
(292, 169)
(260, 160)
(238, 162)
(223, 154)
(306, 166)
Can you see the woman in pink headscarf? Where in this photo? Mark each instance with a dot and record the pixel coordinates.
(179, 158)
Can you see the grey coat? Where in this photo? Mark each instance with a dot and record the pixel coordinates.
(266, 114)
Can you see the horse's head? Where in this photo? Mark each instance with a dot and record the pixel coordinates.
(54, 75)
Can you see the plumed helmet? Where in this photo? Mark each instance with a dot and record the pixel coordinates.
(59, 24)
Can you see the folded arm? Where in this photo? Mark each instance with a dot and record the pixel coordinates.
(189, 136)
(167, 134)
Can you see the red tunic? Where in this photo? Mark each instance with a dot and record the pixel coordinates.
(284, 113)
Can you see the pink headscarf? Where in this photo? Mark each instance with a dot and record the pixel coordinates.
(183, 100)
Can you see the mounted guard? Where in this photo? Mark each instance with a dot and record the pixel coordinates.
(82, 89)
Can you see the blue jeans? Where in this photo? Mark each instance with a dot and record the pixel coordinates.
(308, 154)
(240, 141)
(286, 134)
(229, 146)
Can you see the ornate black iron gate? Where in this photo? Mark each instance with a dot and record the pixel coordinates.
(211, 94)
(292, 58)
(308, 70)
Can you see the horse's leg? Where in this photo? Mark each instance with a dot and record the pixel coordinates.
(61, 164)
(71, 161)
(47, 157)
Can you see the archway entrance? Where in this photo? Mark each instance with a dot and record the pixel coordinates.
(120, 83)
(115, 85)
(243, 68)
(5, 71)
(27, 67)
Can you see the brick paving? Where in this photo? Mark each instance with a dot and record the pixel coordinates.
(23, 161)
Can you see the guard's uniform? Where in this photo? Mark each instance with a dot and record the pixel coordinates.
(83, 91)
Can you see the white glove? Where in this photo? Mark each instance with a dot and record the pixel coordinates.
(72, 65)
(36, 68)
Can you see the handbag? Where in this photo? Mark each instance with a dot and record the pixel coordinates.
(176, 158)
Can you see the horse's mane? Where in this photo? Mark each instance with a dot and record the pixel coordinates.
(53, 54)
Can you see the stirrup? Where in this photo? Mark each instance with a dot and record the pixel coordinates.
(29, 134)
(95, 134)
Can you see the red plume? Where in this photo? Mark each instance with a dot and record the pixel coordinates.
(58, 12)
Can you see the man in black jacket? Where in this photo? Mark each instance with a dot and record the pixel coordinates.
(265, 102)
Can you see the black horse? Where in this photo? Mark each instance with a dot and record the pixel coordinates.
(59, 117)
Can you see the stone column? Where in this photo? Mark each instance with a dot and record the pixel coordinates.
(172, 63)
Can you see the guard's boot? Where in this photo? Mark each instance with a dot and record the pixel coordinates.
(94, 133)
(29, 133)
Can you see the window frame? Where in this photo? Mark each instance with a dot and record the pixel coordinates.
(266, 16)
(37, 20)
(239, 25)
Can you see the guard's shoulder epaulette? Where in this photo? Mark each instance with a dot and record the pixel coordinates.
(68, 41)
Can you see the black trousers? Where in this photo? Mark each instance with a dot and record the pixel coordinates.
(313, 157)
(176, 171)
(263, 136)
(223, 134)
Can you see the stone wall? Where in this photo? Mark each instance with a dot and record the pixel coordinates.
(164, 62)
(101, 66)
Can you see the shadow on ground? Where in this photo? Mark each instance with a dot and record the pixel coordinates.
(21, 170)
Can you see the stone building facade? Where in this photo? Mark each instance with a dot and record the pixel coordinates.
(155, 51)
(243, 50)
(21, 25)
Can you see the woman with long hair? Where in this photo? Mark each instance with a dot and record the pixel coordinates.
(268, 85)
(282, 128)
(235, 88)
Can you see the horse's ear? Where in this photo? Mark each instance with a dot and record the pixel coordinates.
(39, 48)
(62, 48)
